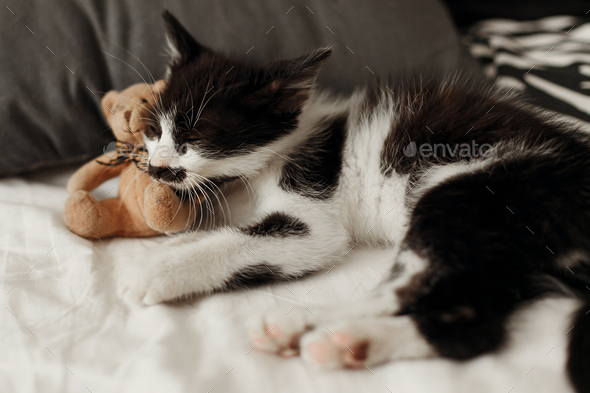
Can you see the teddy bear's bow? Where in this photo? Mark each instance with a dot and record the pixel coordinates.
(125, 152)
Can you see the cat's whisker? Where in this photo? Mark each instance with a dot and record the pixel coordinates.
(178, 209)
(137, 72)
(150, 75)
(225, 222)
(208, 204)
(201, 107)
(283, 157)
(185, 122)
(158, 100)
(102, 132)
(248, 186)
(198, 207)
(190, 91)
(204, 95)
(193, 205)
(217, 197)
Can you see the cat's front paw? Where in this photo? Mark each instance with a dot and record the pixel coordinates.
(145, 282)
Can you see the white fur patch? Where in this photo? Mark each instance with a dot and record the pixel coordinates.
(162, 153)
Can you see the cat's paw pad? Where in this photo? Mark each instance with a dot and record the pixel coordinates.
(335, 348)
(279, 331)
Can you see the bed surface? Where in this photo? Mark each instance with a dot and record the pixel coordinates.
(63, 329)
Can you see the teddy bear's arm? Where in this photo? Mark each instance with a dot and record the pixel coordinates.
(93, 174)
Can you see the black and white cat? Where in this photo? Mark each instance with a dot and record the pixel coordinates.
(483, 201)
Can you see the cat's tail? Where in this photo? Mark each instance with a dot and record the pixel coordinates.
(578, 365)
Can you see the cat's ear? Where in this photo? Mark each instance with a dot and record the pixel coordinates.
(291, 81)
(182, 47)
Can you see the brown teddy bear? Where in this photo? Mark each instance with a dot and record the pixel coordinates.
(144, 207)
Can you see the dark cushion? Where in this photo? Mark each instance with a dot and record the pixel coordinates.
(59, 58)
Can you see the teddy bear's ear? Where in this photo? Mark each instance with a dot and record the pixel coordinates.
(156, 90)
(183, 48)
(159, 86)
(136, 126)
(108, 103)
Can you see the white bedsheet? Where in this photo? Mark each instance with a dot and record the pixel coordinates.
(63, 329)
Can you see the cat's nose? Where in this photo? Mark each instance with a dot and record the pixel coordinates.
(166, 173)
(157, 171)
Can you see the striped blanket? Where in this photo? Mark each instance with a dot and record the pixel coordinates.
(548, 59)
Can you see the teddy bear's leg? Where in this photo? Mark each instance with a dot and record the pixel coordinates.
(93, 174)
(90, 218)
(164, 211)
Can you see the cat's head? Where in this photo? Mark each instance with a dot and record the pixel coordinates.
(219, 118)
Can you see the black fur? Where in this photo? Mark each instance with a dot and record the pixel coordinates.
(454, 114)
(314, 170)
(497, 239)
(167, 174)
(258, 275)
(578, 363)
(278, 225)
(255, 275)
(224, 107)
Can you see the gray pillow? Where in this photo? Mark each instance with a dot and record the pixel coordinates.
(57, 59)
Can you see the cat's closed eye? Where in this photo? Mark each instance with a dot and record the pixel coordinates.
(151, 132)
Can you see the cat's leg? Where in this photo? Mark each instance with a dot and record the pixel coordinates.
(357, 343)
(279, 331)
(434, 326)
(279, 245)
(427, 313)
(366, 335)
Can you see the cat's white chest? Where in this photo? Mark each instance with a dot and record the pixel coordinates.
(373, 204)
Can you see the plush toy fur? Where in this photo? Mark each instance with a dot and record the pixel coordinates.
(144, 207)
